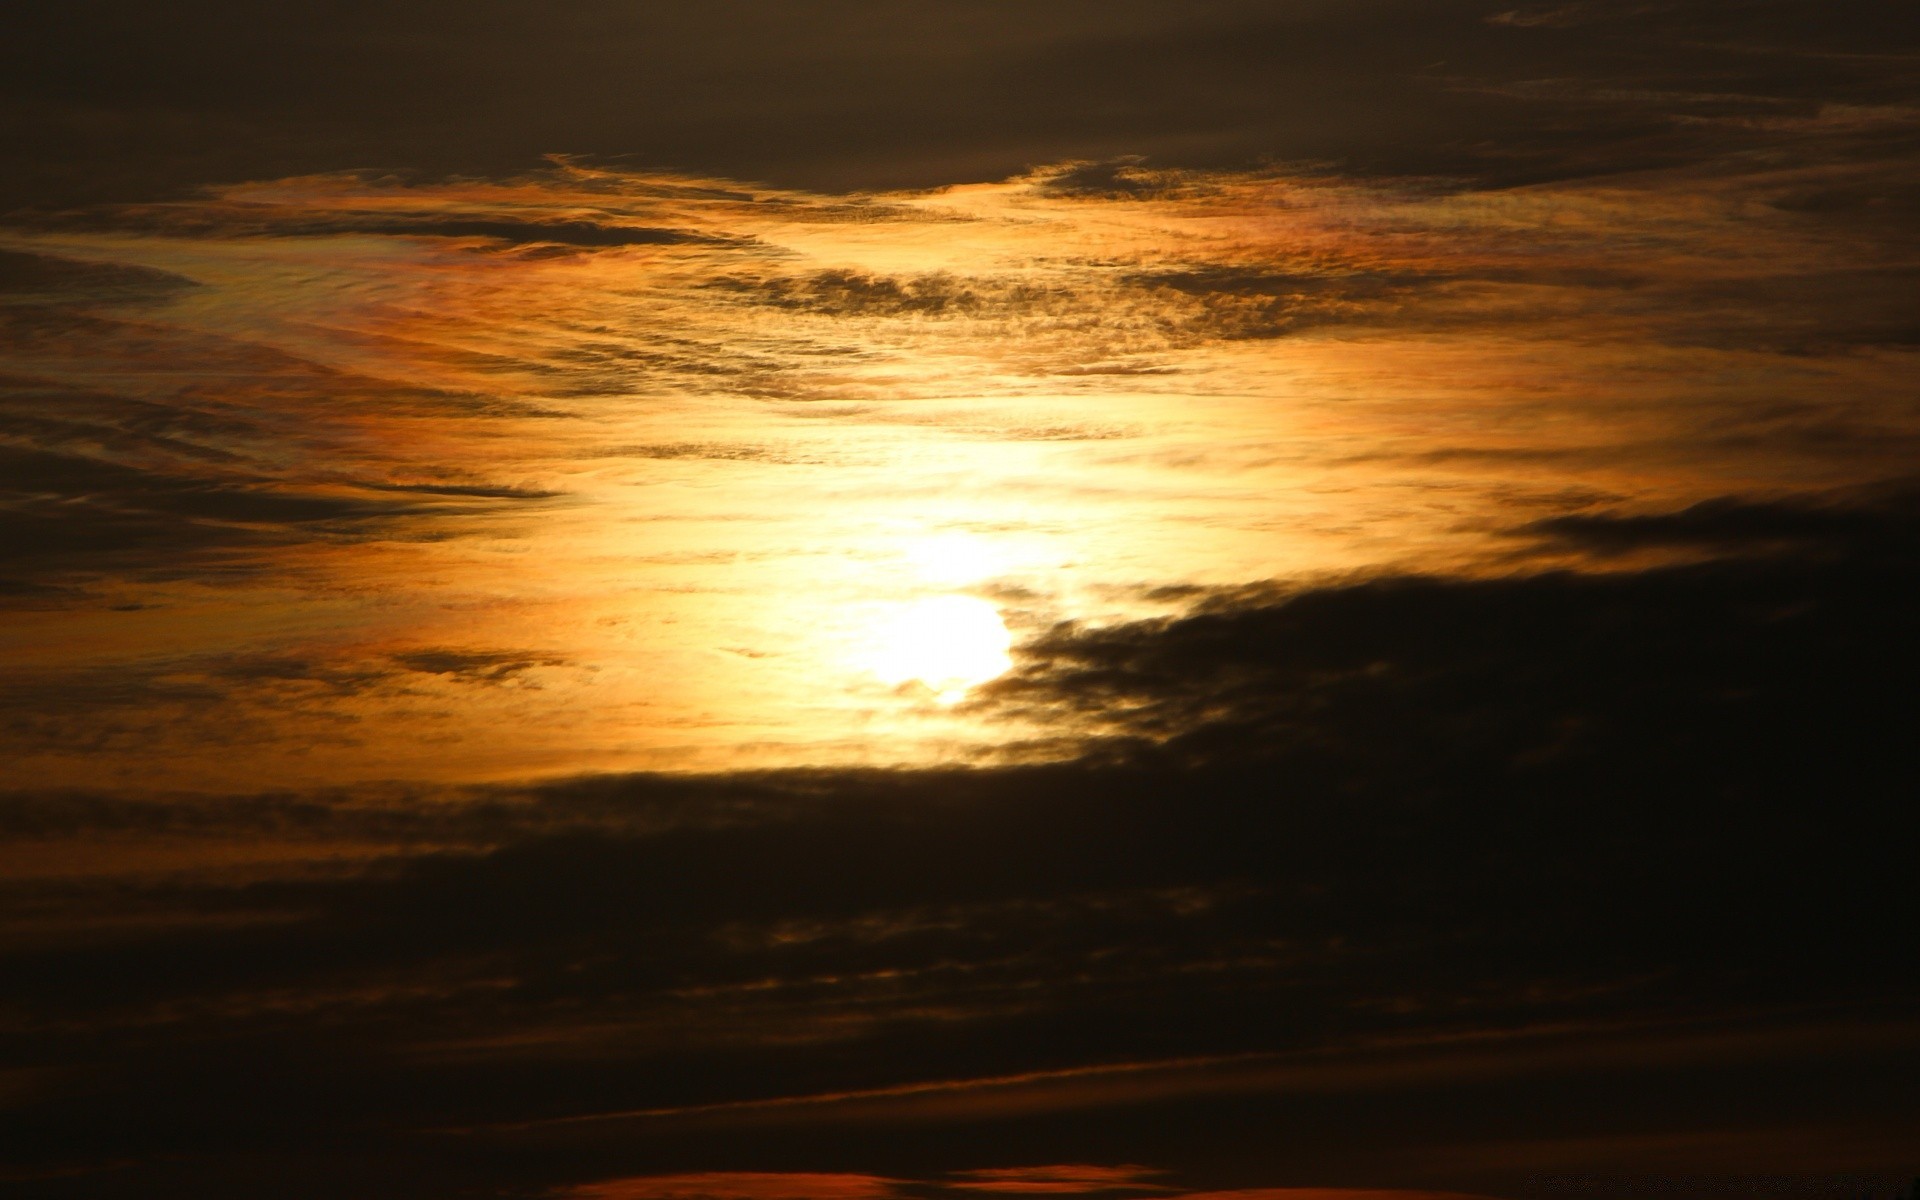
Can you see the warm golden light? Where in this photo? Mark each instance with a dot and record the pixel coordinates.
(555, 510)
(948, 643)
(954, 559)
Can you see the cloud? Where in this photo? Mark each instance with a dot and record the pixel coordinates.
(1062, 1179)
(1121, 178)
(561, 233)
(1282, 671)
(484, 491)
(71, 514)
(1410, 816)
(27, 277)
(854, 293)
(1052, 1179)
(242, 221)
(491, 666)
(1840, 524)
(738, 1185)
(140, 467)
(715, 451)
(848, 95)
(394, 418)
(1554, 783)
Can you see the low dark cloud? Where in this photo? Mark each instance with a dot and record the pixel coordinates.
(1176, 306)
(49, 278)
(563, 233)
(1117, 179)
(481, 491)
(487, 666)
(238, 220)
(1843, 525)
(1405, 811)
(1243, 303)
(158, 472)
(103, 99)
(856, 293)
(72, 514)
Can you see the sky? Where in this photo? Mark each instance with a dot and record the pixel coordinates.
(1239, 600)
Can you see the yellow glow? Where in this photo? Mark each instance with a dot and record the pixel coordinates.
(954, 559)
(633, 522)
(948, 643)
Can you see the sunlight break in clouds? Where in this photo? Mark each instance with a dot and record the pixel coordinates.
(946, 643)
(591, 470)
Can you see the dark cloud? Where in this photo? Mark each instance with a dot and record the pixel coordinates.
(77, 514)
(103, 98)
(484, 666)
(1792, 311)
(1123, 178)
(1803, 313)
(1240, 303)
(1060, 1180)
(49, 278)
(715, 451)
(239, 220)
(564, 233)
(851, 292)
(479, 491)
(1176, 305)
(861, 294)
(1843, 525)
(159, 472)
(1406, 811)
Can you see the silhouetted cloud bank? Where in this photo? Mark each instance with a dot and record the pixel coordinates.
(1345, 842)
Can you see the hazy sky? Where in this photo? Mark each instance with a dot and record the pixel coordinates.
(836, 601)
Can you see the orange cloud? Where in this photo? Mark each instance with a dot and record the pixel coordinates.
(1051, 1179)
(737, 1185)
(1062, 1179)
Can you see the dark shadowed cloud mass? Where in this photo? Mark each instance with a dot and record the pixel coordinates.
(837, 601)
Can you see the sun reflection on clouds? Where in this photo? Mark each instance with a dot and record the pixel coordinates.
(957, 559)
(746, 464)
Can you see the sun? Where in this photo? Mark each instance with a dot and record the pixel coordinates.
(948, 643)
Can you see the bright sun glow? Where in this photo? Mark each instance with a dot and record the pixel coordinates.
(948, 643)
(954, 559)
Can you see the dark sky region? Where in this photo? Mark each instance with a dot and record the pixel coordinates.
(1232, 600)
(109, 98)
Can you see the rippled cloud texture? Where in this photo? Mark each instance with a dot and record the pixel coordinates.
(458, 734)
(632, 464)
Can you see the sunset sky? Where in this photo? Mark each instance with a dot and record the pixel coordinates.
(1235, 600)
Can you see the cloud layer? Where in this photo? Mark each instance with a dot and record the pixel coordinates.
(322, 421)
(1366, 846)
(1446, 470)
(104, 99)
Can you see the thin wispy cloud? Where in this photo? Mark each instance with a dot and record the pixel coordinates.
(358, 386)
(739, 1185)
(1065, 1179)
